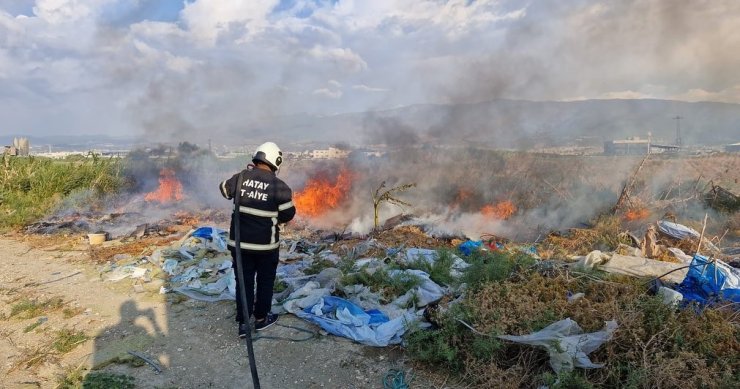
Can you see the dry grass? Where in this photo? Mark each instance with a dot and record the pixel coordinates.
(604, 235)
(655, 345)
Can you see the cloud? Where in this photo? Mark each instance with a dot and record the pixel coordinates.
(325, 92)
(218, 64)
(365, 88)
(344, 59)
(332, 91)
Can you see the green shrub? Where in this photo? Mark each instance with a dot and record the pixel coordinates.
(318, 265)
(390, 286)
(494, 266)
(439, 270)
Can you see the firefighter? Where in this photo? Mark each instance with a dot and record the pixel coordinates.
(265, 202)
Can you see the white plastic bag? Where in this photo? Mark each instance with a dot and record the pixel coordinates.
(566, 343)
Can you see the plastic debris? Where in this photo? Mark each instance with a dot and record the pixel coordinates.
(575, 297)
(308, 295)
(710, 280)
(677, 231)
(128, 271)
(670, 296)
(633, 266)
(566, 343)
(426, 293)
(468, 247)
(341, 317)
(680, 255)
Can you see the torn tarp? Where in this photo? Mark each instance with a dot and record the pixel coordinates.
(633, 266)
(343, 318)
(566, 343)
(709, 280)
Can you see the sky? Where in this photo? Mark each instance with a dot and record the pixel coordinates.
(125, 67)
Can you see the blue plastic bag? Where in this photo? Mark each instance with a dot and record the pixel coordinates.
(467, 248)
(705, 281)
(217, 235)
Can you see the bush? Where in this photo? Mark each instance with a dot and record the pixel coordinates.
(439, 270)
(389, 286)
(493, 266)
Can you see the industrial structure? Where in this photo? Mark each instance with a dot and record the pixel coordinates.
(629, 146)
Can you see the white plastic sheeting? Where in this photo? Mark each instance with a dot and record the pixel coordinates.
(426, 293)
(566, 343)
(675, 230)
(633, 266)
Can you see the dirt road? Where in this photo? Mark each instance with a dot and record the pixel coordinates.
(59, 317)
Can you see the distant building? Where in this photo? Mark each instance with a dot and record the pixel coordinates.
(732, 148)
(330, 153)
(21, 145)
(630, 146)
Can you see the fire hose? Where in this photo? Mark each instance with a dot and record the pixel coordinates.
(242, 285)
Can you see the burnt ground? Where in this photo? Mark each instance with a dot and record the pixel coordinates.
(194, 342)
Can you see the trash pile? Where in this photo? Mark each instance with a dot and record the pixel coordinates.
(464, 302)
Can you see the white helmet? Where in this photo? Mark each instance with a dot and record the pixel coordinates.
(270, 154)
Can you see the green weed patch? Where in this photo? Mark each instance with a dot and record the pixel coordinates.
(29, 308)
(66, 340)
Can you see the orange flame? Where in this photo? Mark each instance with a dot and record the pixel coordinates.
(170, 189)
(636, 214)
(501, 211)
(322, 194)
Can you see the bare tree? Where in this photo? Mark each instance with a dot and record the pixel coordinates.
(387, 196)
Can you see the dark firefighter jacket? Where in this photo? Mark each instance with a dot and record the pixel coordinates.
(265, 202)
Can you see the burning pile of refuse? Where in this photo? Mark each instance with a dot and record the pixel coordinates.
(619, 299)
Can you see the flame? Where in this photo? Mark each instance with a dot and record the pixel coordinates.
(322, 194)
(636, 214)
(501, 211)
(170, 189)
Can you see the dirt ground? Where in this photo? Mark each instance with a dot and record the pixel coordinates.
(195, 343)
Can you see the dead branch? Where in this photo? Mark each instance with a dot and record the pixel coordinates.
(628, 186)
(387, 196)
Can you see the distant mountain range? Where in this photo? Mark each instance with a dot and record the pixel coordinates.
(514, 123)
(497, 123)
